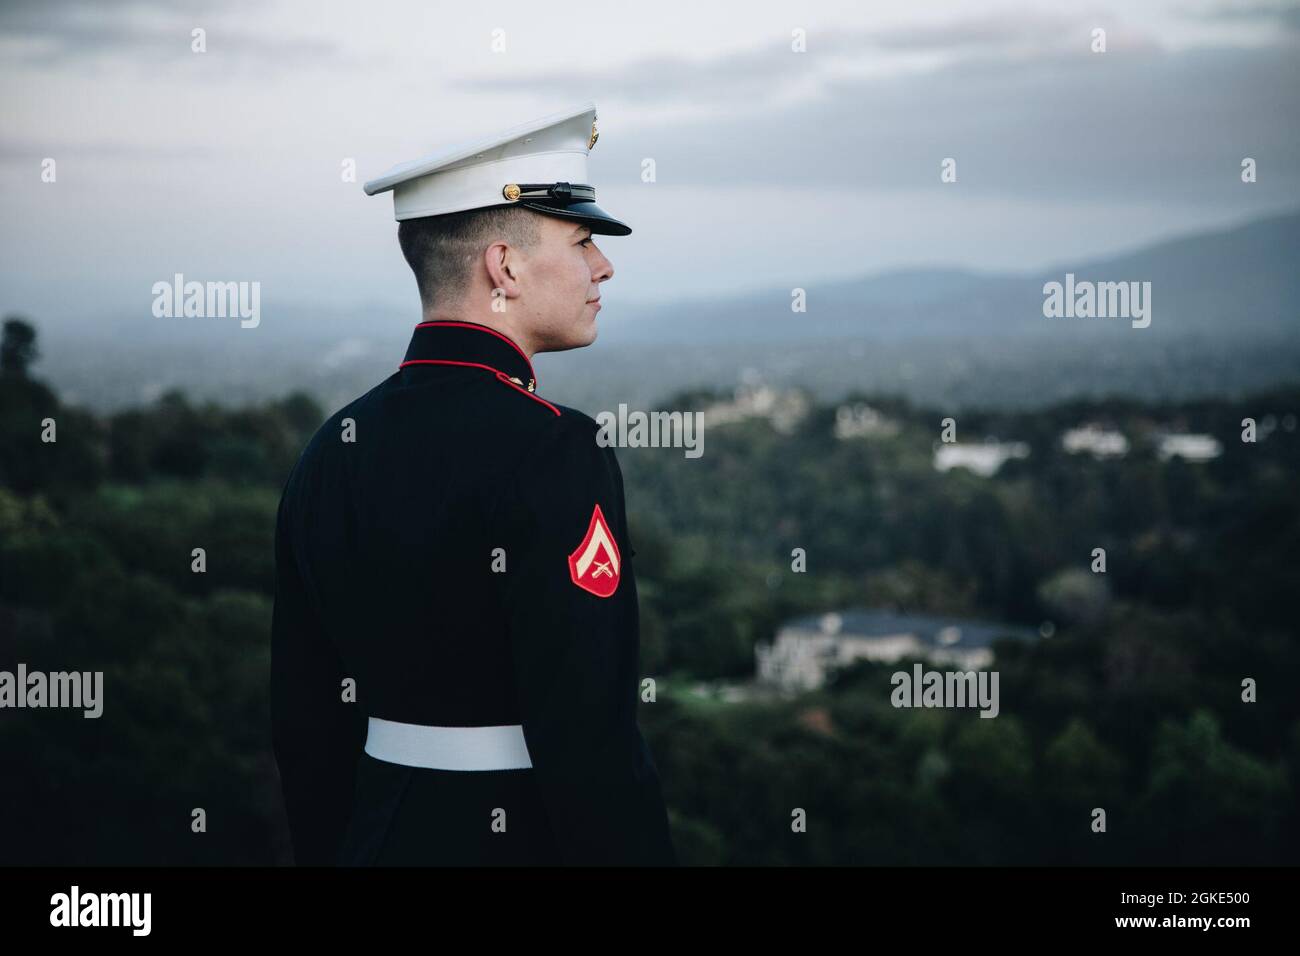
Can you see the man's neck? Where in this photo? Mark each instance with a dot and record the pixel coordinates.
(492, 321)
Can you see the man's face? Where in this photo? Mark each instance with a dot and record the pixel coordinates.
(560, 279)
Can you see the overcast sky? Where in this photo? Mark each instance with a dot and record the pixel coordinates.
(773, 167)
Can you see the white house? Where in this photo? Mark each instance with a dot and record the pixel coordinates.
(806, 650)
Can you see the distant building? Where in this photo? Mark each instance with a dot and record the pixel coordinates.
(806, 650)
(984, 459)
(783, 408)
(1098, 441)
(726, 692)
(862, 421)
(1188, 447)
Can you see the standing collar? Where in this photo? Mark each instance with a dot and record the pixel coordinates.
(448, 342)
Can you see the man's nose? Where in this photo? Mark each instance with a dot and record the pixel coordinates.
(602, 268)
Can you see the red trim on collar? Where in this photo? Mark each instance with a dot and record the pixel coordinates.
(499, 374)
(482, 328)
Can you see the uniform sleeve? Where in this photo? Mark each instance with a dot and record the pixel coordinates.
(575, 654)
(317, 736)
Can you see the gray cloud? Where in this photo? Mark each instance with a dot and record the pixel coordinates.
(995, 38)
(993, 35)
(1142, 125)
(1280, 13)
(59, 33)
(30, 151)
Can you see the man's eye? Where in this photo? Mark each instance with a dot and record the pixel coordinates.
(585, 241)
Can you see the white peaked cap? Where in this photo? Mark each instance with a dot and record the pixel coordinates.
(541, 165)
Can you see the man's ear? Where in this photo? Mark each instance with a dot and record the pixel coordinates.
(502, 264)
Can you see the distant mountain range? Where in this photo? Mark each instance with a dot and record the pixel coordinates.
(1232, 283)
(1225, 319)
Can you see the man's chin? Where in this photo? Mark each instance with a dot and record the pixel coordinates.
(585, 333)
(581, 338)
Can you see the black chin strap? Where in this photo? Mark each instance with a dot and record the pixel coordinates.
(560, 193)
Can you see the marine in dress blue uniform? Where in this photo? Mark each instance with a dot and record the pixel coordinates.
(462, 560)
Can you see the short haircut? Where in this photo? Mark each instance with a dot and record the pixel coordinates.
(442, 250)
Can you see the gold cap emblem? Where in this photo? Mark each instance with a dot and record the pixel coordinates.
(594, 135)
(511, 192)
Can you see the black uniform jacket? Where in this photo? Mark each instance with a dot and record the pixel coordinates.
(458, 547)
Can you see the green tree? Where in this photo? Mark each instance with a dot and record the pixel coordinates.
(17, 347)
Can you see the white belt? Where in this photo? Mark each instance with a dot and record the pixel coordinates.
(448, 748)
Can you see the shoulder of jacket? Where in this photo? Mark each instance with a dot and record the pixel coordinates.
(574, 425)
(332, 429)
(568, 442)
(329, 436)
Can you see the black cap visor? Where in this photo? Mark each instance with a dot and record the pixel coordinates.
(600, 222)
